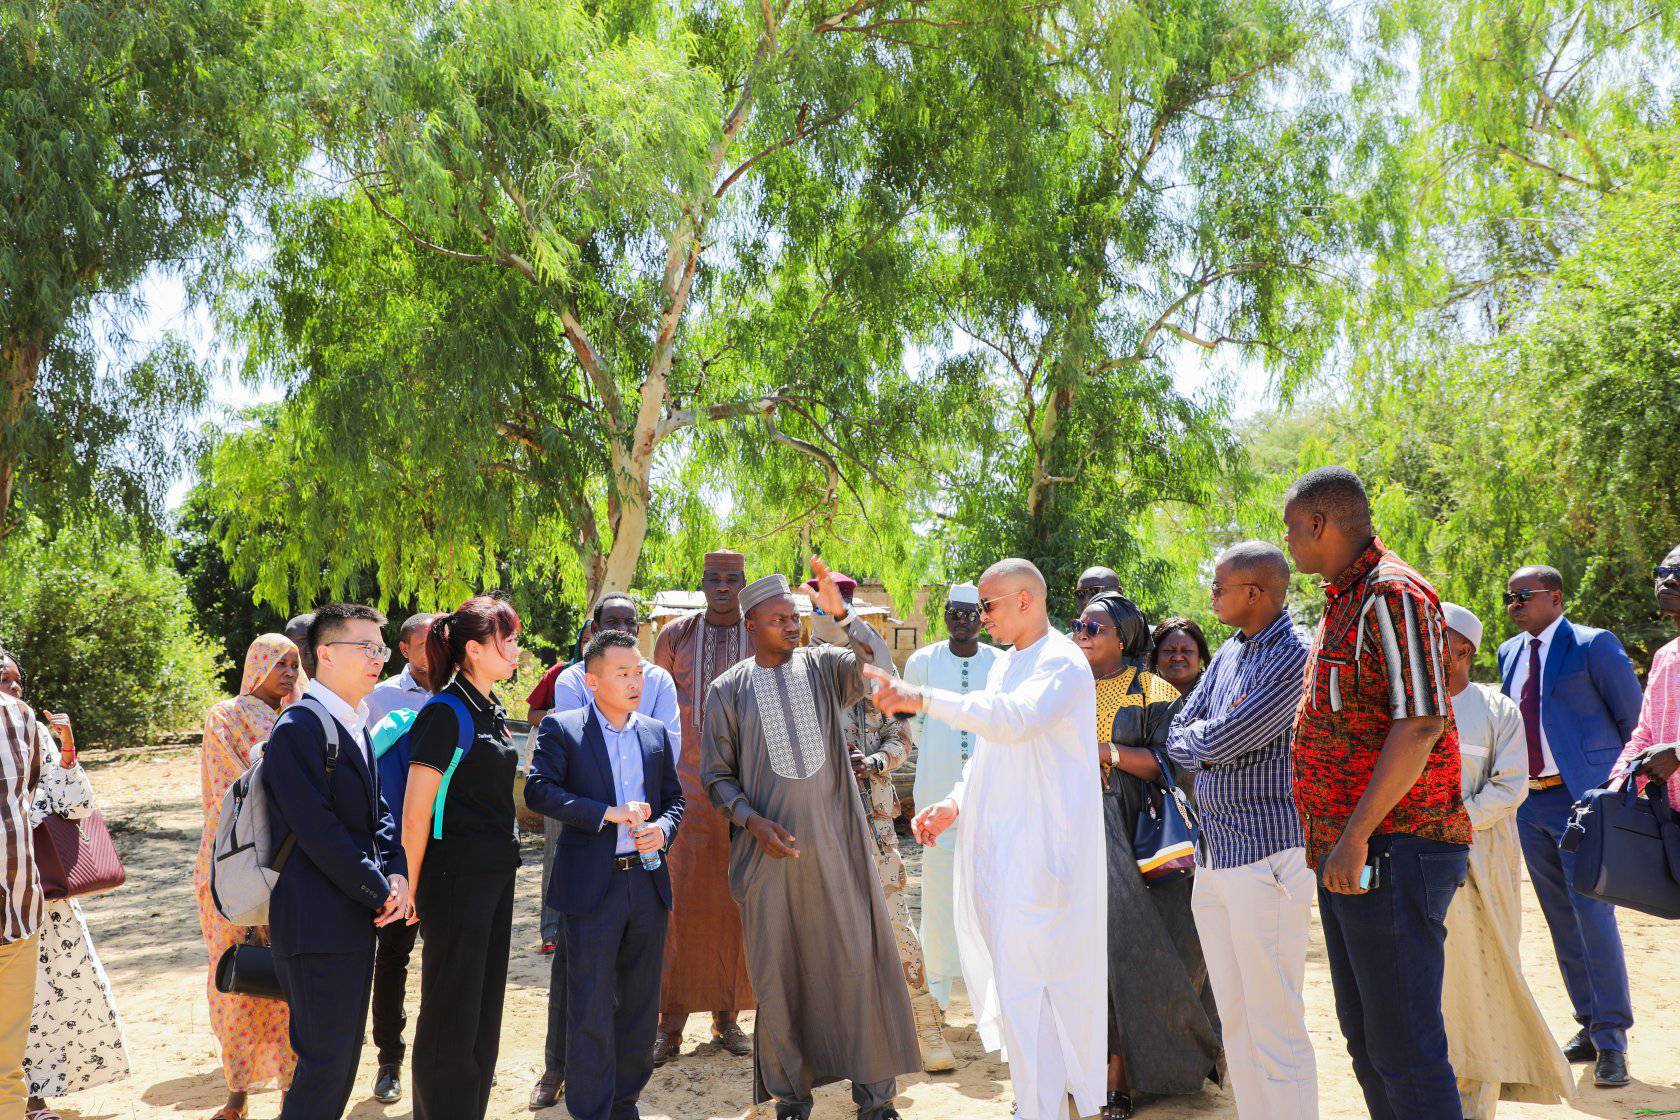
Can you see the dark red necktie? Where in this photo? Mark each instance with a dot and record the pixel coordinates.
(1531, 710)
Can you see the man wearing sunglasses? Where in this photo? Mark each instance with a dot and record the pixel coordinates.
(1654, 750)
(960, 664)
(1093, 582)
(1580, 703)
(1032, 897)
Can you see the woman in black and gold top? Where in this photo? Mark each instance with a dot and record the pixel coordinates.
(1163, 1033)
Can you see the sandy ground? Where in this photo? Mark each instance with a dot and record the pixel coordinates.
(147, 934)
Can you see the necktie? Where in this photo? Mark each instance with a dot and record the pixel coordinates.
(1531, 710)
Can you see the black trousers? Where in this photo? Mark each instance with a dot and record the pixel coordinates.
(328, 996)
(390, 986)
(466, 921)
(615, 956)
(554, 1046)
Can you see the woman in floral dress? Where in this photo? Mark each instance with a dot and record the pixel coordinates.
(253, 1032)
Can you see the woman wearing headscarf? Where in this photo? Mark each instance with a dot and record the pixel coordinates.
(75, 1038)
(1163, 1034)
(252, 1032)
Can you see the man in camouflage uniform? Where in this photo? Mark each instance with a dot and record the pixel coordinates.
(878, 745)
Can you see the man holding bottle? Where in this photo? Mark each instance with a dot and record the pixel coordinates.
(615, 818)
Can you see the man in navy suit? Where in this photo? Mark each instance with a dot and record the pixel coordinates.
(607, 774)
(346, 874)
(1580, 703)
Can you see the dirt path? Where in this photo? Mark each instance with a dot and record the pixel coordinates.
(147, 934)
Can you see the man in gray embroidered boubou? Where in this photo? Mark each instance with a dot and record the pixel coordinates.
(832, 1003)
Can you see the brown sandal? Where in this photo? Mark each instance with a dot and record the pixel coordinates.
(228, 1112)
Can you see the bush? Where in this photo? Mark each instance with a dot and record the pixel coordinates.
(103, 628)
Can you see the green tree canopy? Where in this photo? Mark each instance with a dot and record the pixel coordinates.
(127, 132)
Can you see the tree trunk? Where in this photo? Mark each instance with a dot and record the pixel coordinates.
(20, 361)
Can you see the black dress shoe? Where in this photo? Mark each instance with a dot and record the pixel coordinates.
(546, 1092)
(387, 1084)
(1580, 1048)
(1611, 1072)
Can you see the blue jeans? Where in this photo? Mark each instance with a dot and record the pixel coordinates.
(1386, 950)
(1584, 933)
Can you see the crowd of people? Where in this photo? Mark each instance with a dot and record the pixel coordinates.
(720, 838)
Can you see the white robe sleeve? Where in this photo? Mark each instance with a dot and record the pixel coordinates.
(1018, 716)
(1507, 786)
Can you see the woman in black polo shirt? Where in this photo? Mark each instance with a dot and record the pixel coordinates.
(463, 871)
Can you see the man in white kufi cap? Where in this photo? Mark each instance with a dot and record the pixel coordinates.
(1497, 1040)
(959, 664)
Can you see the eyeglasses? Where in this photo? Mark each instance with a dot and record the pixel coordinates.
(370, 650)
(1218, 589)
(1522, 596)
(1665, 571)
(1089, 629)
(963, 614)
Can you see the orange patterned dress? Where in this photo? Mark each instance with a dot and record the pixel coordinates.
(253, 1033)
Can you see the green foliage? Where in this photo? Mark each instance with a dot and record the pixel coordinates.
(573, 245)
(127, 132)
(102, 627)
(1176, 191)
(1553, 444)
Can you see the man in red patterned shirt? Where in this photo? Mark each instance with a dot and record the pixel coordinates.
(1377, 786)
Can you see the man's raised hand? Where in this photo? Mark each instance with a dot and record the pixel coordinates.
(892, 696)
(827, 597)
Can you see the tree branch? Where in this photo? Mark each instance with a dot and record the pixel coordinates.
(800, 131)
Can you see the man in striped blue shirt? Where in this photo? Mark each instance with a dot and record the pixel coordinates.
(1253, 891)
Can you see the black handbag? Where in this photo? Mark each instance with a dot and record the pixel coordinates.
(248, 970)
(1164, 840)
(1627, 847)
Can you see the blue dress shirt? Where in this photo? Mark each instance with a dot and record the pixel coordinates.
(624, 753)
(659, 699)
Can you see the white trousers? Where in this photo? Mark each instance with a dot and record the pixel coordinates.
(1252, 921)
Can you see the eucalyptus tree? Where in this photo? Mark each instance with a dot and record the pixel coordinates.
(556, 244)
(128, 132)
(1187, 199)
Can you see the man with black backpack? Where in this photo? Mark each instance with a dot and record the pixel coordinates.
(346, 874)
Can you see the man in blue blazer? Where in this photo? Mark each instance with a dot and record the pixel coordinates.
(1580, 703)
(609, 776)
(346, 874)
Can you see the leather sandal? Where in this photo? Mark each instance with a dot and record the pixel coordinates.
(1119, 1106)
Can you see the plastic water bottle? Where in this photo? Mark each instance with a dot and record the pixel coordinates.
(650, 860)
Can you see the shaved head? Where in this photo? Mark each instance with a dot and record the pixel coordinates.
(1259, 561)
(1016, 574)
(1013, 602)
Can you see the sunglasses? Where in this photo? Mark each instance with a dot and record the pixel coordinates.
(1666, 571)
(963, 614)
(986, 604)
(1079, 626)
(1522, 596)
